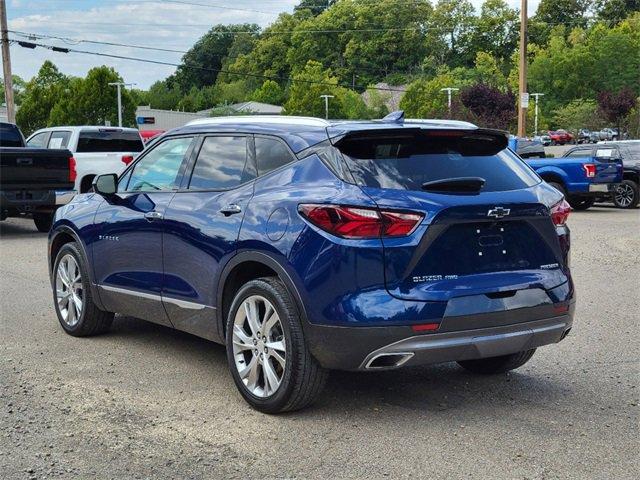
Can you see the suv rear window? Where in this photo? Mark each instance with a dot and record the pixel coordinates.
(109, 140)
(406, 162)
(10, 136)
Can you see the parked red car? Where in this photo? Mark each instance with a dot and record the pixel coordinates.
(560, 137)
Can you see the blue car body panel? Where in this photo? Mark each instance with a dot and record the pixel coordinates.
(176, 265)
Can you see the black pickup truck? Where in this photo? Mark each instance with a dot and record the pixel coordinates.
(33, 181)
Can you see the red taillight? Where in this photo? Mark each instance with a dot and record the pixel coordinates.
(425, 327)
(560, 212)
(357, 222)
(589, 170)
(72, 170)
(127, 159)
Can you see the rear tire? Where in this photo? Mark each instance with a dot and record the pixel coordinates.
(255, 337)
(502, 364)
(77, 313)
(581, 203)
(43, 221)
(626, 195)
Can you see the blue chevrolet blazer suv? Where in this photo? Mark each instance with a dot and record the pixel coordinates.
(306, 245)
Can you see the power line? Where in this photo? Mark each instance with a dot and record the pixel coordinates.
(196, 67)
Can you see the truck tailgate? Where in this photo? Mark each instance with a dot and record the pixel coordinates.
(35, 169)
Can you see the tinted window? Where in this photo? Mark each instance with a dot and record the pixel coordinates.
(405, 164)
(271, 154)
(158, 170)
(583, 152)
(631, 151)
(38, 140)
(10, 136)
(109, 140)
(59, 139)
(220, 164)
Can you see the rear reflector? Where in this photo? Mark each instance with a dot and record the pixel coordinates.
(73, 173)
(127, 159)
(560, 308)
(358, 222)
(589, 170)
(560, 212)
(425, 327)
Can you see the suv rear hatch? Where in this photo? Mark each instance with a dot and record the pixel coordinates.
(487, 227)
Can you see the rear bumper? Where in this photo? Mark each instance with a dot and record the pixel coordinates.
(485, 335)
(25, 201)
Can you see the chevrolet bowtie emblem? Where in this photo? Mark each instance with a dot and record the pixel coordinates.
(498, 212)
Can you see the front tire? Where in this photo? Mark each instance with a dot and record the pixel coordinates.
(266, 351)
(502, 364)
(78, 314)
(626, 195)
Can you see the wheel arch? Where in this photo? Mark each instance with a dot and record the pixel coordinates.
(631, 175)
(246, 266)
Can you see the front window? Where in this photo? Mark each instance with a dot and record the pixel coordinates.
(160, 168)
(38, 140)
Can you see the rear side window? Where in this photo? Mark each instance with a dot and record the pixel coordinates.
(59, 139)
(220, 164)
(631, 152)
(271, 154)
(583, 152)
(407, 162)
(109, 140)
(10, 136)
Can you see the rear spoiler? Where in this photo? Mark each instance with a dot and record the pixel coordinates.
(469, 141)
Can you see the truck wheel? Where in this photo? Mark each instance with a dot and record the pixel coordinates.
(77, 313)
(502, 364)
(626, 195)
(43, 221)
(581, 203)
(266, 351)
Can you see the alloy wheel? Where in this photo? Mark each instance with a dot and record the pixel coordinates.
(259, 347)
(69, 294)
(624, 195)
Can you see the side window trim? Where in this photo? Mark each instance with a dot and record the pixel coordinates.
(294, 157)
(59, 131)
(184, 186)
(181, 170)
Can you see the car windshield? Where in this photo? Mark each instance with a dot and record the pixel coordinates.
(408, 162)
(10, 136)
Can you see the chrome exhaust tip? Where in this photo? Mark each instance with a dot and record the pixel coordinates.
(388, 360)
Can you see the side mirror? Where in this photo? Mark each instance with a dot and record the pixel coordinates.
(106, 184)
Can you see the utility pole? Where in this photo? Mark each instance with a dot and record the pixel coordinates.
(449, 90)
(118, 85)
(523, 100)
(536, 96)
(6, 64)
(326, 104)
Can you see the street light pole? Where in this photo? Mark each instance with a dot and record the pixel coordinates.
(449, 90)
(6, 64)
(523, 100)
(536, 96)
(326, 104)
(118, 85)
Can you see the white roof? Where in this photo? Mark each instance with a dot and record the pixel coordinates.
(268, 119)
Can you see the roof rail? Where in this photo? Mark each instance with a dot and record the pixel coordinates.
(264, 119)
(442, 122)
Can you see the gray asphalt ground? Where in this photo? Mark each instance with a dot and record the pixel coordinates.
(146, 402)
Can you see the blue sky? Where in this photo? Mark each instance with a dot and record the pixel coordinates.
(158, 23)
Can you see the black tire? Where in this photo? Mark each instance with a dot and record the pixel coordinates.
(581, 203)
(43, 221)
(303, 378)
(92, 321)
(628, 197)
(493, 365)
(559, 187)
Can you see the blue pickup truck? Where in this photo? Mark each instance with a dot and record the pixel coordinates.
(581, 178)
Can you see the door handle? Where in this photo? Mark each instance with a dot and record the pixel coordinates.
(231, 210)
(153, 215)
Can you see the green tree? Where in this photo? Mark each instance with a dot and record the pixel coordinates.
(551, 13)
(305, 91)
(488, 72)
(270, 92)
(497, 29)
(579, 113)
(40, 95)
(19, 86)
(456, 21)
(164, 94)
(614, 11)
(425, 98)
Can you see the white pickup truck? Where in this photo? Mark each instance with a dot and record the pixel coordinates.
(97, 150)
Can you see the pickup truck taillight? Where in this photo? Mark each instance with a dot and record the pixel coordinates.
(72, 170)
(589, 170)
(127, 159)
(560, 212)
(359, 222)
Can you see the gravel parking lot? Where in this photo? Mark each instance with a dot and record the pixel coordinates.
(147, 402)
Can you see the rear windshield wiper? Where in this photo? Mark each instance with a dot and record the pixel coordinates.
(455, 185)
